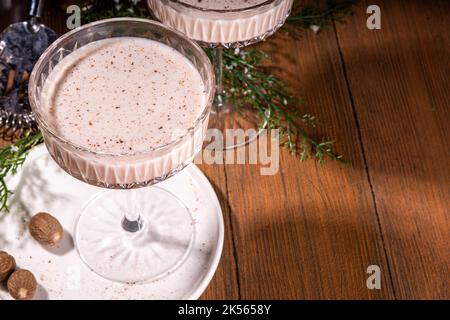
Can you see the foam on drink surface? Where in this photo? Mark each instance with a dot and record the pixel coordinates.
(123, 95)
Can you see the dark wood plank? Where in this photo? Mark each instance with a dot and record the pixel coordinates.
(399, 79)
(309, 232)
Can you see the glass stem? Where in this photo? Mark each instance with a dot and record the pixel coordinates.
(132, 221)
(218, 70)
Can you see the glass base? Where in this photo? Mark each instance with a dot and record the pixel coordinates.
(149, 248)
(227, 119)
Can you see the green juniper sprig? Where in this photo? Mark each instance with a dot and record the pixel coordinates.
(12, 158)
(305, 16)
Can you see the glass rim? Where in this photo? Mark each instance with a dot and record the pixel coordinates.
(32, 94)
(187, 5)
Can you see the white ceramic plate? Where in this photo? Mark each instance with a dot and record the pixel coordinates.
(42, 186)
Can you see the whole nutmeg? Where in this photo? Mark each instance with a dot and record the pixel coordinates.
(7, 265)
(22, 285)
(46, 229)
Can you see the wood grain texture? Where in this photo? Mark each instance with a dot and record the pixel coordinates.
(399, 81)
(310, 231)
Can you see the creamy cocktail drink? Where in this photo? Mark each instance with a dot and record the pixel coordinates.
(222, 21)
(123, 96)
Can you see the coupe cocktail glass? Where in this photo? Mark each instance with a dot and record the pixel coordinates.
(222, 24)
(133, 234)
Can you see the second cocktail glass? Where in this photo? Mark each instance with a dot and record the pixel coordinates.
(142, 232)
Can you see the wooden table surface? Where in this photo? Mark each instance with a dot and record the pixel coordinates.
(311, 231)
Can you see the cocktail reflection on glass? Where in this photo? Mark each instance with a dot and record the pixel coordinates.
(122, 104)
